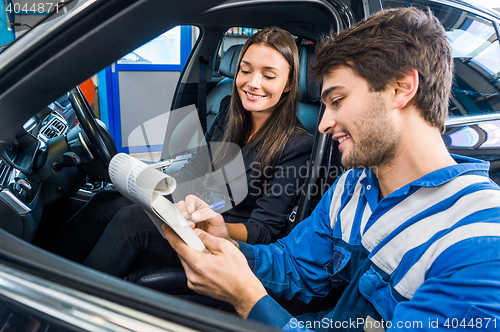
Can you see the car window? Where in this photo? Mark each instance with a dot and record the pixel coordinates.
(238, 35)
(142, 85)
(235, 36)
(162, 50)
(476, 54)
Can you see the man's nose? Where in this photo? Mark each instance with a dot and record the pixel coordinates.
(327, 123)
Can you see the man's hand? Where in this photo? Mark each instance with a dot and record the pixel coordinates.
(203, 217)
(223, 273)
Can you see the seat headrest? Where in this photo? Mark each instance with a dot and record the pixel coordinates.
(309, 90)
(229, 61)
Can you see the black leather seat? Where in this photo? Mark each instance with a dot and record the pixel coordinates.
(173, 280)
(227, 69)
(309, 91)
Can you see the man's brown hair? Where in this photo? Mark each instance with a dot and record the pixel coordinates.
(385, 46)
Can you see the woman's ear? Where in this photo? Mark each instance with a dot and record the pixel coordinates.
(288, 87)
(405, 89)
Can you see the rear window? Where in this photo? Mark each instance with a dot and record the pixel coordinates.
(476, 54)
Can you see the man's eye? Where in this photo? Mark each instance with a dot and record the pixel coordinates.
(336, 102)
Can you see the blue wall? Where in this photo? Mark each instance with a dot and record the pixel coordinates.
(6, 35)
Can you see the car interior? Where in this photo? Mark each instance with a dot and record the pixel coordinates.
(325, 154)
(54, 166)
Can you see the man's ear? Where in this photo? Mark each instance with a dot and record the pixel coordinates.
(404, 89)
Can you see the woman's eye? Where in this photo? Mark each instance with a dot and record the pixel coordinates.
(245, 71)
(270, 77)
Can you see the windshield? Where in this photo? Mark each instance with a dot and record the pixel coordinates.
(17, 17)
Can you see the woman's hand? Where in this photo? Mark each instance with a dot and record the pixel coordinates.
(190, 204)
(203, 217)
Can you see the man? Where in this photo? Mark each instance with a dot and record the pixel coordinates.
(410, 234)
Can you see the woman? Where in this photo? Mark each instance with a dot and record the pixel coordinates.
(260, 118)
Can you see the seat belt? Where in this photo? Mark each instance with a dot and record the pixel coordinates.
(202, 92)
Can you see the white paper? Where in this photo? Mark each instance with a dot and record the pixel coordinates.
(146, 186)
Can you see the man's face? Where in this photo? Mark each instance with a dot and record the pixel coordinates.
(358, 119)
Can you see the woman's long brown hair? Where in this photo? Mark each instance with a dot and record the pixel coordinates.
(283, 121)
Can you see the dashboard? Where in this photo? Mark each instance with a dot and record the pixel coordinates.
(21, 195)
(47, 124)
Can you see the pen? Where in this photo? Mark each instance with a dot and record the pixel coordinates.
(215, 207)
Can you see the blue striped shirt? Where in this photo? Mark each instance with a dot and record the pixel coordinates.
(426, 253)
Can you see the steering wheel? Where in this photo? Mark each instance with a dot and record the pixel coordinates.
(100, 139)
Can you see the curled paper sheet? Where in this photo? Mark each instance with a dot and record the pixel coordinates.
(146, 186)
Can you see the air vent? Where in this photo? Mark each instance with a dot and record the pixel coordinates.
(55, 127)
(4, 172)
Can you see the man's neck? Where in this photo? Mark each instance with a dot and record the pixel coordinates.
(421, 151)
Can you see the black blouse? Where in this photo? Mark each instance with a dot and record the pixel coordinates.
(264, 211)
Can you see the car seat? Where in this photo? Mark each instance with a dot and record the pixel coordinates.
(227, 69)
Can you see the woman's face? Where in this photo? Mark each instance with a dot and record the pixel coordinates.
(262, 78)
